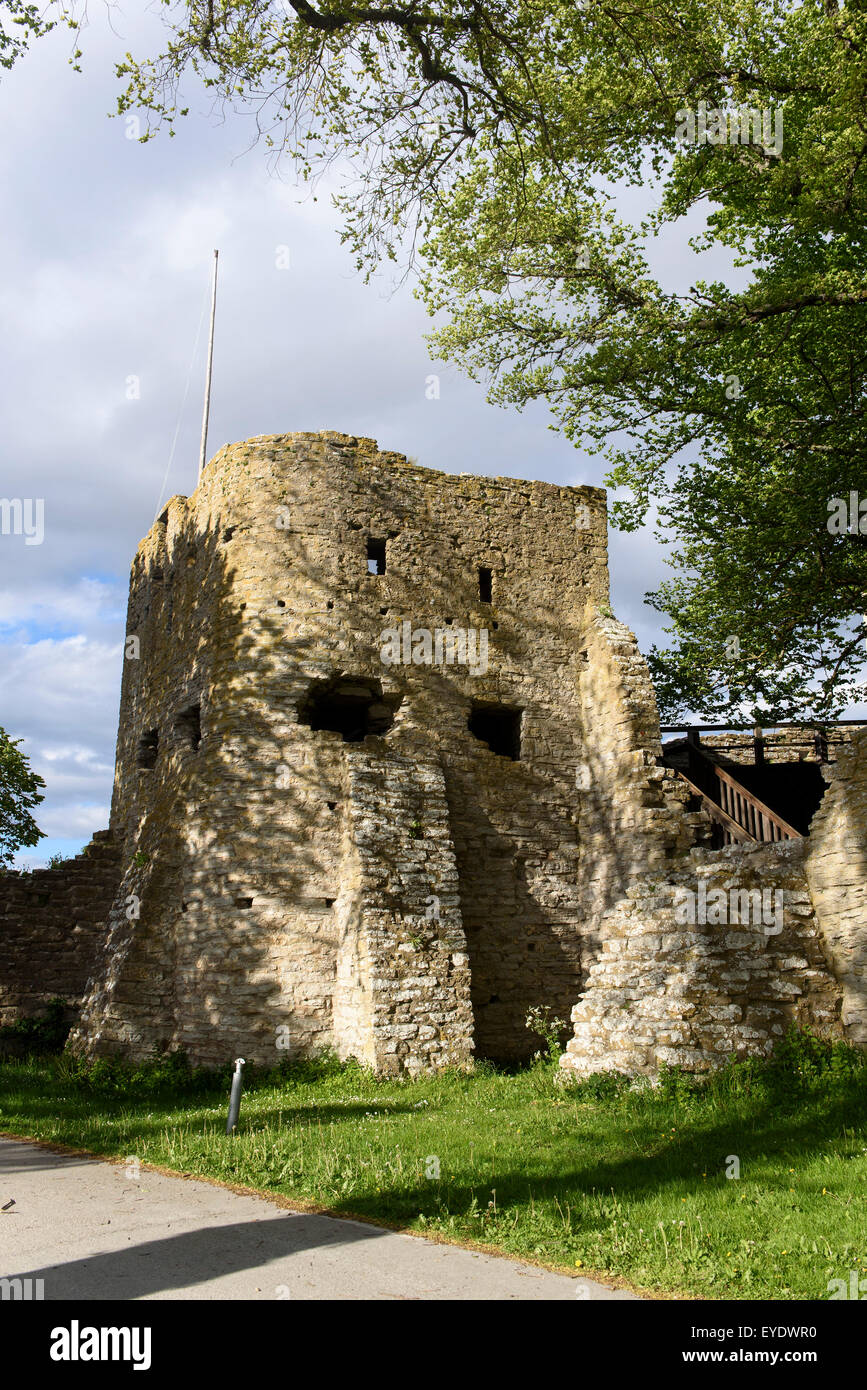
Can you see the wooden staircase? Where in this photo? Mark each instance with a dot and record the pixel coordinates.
(738, 816)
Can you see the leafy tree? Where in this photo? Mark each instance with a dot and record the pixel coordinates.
(739, 412)
(497, 145)
(19, 793)
(21, 22)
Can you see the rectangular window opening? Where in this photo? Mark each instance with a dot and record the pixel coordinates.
(499, 726)
(486, 585)
(375, 556)
(353, 708)
(148, 747)
(189, 725)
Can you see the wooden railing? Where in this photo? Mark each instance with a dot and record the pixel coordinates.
(760, 822)
(738, 815)
(727, 829)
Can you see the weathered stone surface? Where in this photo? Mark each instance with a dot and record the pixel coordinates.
(290, 871)
(52, 928)
(732, 986)
(409, 897)
(836, 867)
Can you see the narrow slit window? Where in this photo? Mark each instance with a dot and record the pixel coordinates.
(486, 585)
(375, 556)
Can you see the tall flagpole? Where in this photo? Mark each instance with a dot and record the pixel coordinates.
(206, 412)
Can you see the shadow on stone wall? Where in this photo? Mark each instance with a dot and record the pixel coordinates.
(235, 853)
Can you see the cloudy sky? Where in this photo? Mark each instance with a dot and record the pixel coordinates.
(106, 248)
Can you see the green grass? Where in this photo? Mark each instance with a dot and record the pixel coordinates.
(600, 1178)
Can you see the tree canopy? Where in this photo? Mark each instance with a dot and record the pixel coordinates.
(19, 793)
(498, 149)
(21, 22)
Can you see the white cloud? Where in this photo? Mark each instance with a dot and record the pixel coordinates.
(84, 602)
(72, 821)
(60, 698)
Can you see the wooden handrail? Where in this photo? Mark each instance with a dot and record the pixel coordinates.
(734, 833)
(752, 814)
(740, 814)
(748, 728)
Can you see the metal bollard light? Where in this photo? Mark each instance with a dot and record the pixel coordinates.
(235, 1097)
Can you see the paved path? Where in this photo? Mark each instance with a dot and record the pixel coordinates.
(90, 1232)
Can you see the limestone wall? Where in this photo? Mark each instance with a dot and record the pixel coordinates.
(52, 928)
(323, 845)
(667, 990)
(248, 598)
(836, 867)
(633, 816)
(402, 998)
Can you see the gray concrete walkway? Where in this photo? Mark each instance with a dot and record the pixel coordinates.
(91, 1231)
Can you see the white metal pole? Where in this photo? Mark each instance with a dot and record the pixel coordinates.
(206, 412)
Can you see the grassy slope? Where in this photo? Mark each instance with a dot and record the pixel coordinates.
(597, 1178)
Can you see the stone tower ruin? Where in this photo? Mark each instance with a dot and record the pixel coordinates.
(389, 776)
(384, 761)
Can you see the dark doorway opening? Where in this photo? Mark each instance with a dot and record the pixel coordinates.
(499, 726)
(486, 585)
(353, 707)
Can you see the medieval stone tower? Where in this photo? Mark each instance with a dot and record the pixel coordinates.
(384, 760)
(389, 775)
